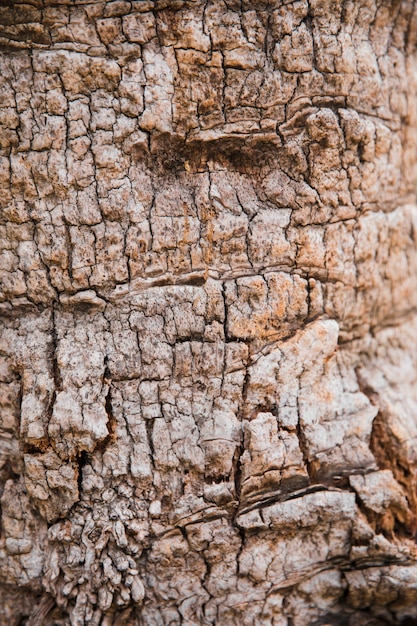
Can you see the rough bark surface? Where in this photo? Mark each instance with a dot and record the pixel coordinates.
(208, 298)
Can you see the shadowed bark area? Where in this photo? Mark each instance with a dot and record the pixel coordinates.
(208, 301)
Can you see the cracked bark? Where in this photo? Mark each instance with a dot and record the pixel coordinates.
(208, 300)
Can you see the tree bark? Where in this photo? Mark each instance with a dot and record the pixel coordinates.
(208, 355)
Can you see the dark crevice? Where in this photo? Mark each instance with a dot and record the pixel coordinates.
(237, 475)
(108, 406)
(382, 444)
(111, 422)
(192, 281)
(282, 496)
(35, 448)
(82, 460)
(69, 247)
(56, 374)
(199, 337)
(149, 424)
(236, 464)
(302, 442)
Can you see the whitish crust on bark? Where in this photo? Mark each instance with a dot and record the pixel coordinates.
(208, 296)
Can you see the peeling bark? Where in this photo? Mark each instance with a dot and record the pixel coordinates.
(208, 299)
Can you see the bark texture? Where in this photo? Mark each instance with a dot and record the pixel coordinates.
(208, 355)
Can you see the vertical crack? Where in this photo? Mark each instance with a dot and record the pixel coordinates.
(56, 374)
(108, 407)
(149, 424)
(237, 467)
(302, 442)
(82, 459)
(55, 371)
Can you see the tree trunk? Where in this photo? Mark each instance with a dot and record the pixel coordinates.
(208, 302)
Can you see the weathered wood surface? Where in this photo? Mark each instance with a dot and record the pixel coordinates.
(208, 302)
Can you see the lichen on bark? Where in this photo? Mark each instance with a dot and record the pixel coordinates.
(208, 298)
